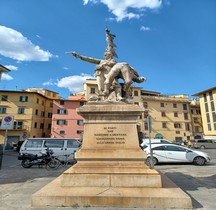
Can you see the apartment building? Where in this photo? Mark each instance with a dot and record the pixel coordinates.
(32, 113)
(170, 115)
(196, 119)
(207, 100)
(66, 123)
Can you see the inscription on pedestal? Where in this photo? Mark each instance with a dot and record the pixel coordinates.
(110, 135)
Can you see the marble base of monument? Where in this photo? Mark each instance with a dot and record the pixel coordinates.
(110, 169)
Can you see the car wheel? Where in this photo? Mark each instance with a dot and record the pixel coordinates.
(154, 161)
(200, 161)
(202, 147)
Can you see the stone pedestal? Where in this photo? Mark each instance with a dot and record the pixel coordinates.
(110, 169)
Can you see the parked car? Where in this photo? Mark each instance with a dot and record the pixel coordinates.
(63, 148)
(170, 153)
(204, 144)
(146, 142)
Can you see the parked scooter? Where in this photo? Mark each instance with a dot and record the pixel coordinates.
(28, 160)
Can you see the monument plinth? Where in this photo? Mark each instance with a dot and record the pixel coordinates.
(110, 169)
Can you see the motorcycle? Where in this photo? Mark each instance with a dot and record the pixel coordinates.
(28, 160)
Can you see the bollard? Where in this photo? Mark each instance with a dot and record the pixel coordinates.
(1, 155)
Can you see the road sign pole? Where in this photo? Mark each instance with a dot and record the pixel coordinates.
(149, 132)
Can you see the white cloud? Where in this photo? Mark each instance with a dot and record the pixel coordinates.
(73, 83)
(11, 67)
(120, 7)
(6, 77)
(145, 28)
(14, 45)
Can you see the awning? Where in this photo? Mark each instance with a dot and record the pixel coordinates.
(158, 136)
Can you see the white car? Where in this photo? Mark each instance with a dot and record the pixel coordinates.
(170, 153)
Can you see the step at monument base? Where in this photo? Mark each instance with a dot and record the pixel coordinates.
(167, 196)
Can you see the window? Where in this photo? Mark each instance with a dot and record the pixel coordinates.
(42, 114)
(174, 105)
(79, 122)
(197, 129)
(175, 114)
(49, 126)
(21, 110)
(49, 115)
(81, 103)
(42, 102)
(137, 103)
(205, 98)
(36, 111)
(164, 125)
(208, 117)
(212, 106)
(61, 122)
(23, 98)
(37, 100)
(187, 126)
(41, 126)
(145, 114)
(206, 107)
(184, 106)
(136, 93)
(173, 148)
(163, 114)
(186, 116)
(35, 125)
(34, 143)
(210, 95)
(3, 110)
(162, 104)
(177, 125)
(209, 127)
(79, 132)
(145, 105)
(61, 132)
(73, 144)
(54, 144)
(4, 98)
(51, 104)
(214, 116)
(146, 126)
(195, 120)
(61, 102)
(61, 111)
(92, 90)
(18, 125)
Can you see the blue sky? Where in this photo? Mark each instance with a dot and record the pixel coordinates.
(171, 42)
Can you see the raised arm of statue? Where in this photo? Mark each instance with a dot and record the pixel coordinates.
(85, 58)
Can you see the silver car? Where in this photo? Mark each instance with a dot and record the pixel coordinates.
(205, 144)
(170, 153)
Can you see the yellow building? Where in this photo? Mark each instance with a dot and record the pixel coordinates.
(207, 100)
(32, 113)
(196, 119)
(170, 115)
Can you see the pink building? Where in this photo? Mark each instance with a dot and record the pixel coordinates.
(66, 123)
